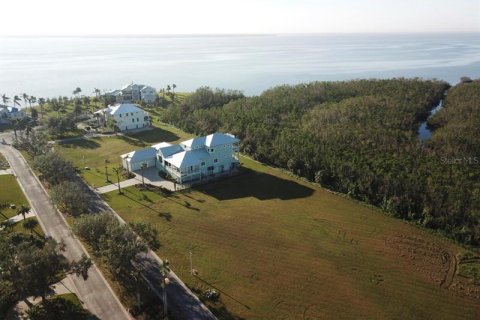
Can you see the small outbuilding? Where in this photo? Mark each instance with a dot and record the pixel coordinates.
(134, 160)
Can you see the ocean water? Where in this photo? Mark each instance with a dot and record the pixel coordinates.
(47, 67)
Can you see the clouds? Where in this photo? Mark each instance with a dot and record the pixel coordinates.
(56, 17)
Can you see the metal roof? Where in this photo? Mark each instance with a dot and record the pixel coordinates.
(218, 139)
(188, 158)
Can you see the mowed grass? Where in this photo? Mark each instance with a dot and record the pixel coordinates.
(277, 247)
(93, 152)
(10, 193)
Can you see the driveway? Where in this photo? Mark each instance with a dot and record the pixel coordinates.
(150, 176)
(95, 292)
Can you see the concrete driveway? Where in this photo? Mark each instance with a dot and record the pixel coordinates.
(150, 176)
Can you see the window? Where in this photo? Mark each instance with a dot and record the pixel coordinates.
(133, 120)
(211, 150)
(203, 163)
(131, 113)
(210, 168)
(138, 120)
(120, 115)
(215, 160)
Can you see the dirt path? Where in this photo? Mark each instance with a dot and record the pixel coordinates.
(451, 271)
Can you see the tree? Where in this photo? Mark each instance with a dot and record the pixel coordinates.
(23, 210)
(121, 246)
(25, 99)
(34, 268)
(97, 92)
(34, 143)
(53, 168)
(34, 113)
(117, 172)
(77, 91)
(143, 167)
(77, 109)
(164, 271)
(30, 224)
(31, 100)
(5, 99)
(71, 197)
(92, 227)
(148, 233)
(41, 103)
(81, 267)
(16, 101)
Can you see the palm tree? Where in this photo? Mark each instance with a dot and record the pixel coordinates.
(30, 224)
(173, 87)
(25, 99)
(41, 102)
(77, 91)
(15, 122)
(143, 166)
(5, 99)
(16, 101)
(32, 100)
(23, 210)
(168, 88)
(97, 92)
(164, 271)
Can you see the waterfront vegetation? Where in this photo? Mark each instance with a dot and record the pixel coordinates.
(360, 138)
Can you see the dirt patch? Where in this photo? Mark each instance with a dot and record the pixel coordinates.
(432, 262)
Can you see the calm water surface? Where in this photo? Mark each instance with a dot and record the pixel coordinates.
(46, 67)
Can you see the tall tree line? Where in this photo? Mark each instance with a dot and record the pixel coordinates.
(360, 138)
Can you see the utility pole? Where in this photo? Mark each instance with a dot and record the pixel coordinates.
(118, 180)
(191, 263)
(106, 170)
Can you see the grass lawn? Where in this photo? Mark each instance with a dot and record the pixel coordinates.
(10, 194)
(92, 152)
(277, 247)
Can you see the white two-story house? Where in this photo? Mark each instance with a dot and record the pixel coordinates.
(191, 161)
(127, 116)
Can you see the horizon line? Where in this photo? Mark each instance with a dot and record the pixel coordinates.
(180, 35)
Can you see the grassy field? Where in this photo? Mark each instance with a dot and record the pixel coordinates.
(280, 248)
(92, 152)
(11, 194)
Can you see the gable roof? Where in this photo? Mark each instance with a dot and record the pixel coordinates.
(140, 155)
(166, 149)
(188, 158)
(218, 139)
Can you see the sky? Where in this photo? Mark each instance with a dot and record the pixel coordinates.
(134, 17)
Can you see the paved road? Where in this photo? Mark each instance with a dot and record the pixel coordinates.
(95, 293)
